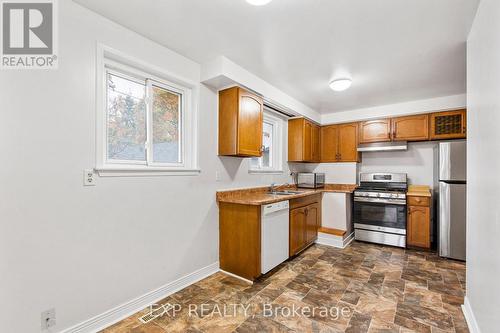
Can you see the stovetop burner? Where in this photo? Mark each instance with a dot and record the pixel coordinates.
(383, 182)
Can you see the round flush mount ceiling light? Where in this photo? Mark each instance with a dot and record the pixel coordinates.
(259, 2)
(340, 84)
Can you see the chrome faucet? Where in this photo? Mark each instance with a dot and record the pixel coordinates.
(272, 188)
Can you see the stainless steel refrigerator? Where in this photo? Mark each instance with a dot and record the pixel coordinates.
(452, 199)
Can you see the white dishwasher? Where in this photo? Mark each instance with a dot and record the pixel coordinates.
(274, 237)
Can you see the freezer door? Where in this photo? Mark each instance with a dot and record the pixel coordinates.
(453, 160)
(452, 220)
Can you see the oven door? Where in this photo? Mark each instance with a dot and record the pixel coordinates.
(380, 215)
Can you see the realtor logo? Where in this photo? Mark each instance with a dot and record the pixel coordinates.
(28, 34)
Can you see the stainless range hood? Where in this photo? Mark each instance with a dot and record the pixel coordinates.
(383, 146)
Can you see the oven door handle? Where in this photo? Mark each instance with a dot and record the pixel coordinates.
(400, 202)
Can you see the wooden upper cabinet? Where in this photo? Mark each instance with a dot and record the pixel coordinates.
(240, 123)
(411, 128)
(295, 140)
(315, 143)
(348, 143)
(303, 141)
(375, 131)
(339, 143)
(308, 142)
(448, 125)
(329, 143)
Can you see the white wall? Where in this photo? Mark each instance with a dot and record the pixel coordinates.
(483, 164)
(336, 211)
(222, 73)
(394, 110)
(417, 162)
(335, 173)
(85, 250)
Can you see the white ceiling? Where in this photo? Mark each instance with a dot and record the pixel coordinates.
(395, 50)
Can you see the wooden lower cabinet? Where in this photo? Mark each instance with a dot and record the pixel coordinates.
(418, 230)
(240, 233)
(305, 219)
(312, 222)
(239, 239)
(297, 229)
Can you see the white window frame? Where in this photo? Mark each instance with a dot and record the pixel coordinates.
(116, 63)
(277, 149)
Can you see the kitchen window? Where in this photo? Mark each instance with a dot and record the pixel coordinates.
(147, 123)
(271, 160)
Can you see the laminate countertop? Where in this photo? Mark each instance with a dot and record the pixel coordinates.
(259, 195)
(419, 191)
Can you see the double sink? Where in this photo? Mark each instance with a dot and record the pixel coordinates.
(286, 192)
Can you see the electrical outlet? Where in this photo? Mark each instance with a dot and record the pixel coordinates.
(48, 319)
(217, 176)
(89, 177)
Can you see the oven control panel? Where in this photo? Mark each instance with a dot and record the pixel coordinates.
(382, 195)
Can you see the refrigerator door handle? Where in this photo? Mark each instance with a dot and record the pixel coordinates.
(444, 219)
(444, 160)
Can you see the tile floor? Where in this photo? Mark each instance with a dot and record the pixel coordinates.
(363, 288)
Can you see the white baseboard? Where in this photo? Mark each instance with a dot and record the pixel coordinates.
(127, 309)
(333, 240)
(348, 240)
(469, 317)
(330, 240)
(236, 276)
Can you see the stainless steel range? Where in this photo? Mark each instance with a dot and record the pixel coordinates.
(380, 208)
